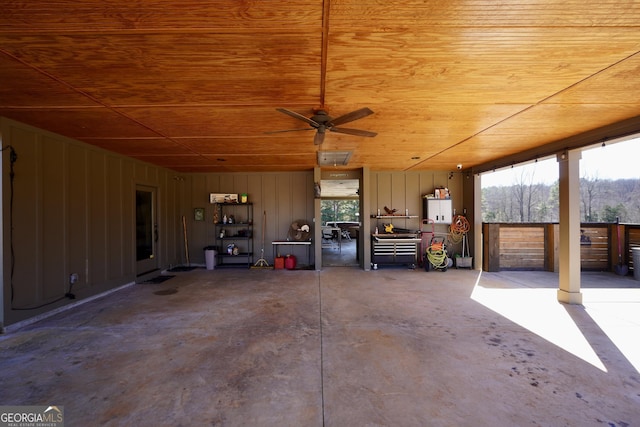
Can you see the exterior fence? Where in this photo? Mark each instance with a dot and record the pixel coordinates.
(534, 246)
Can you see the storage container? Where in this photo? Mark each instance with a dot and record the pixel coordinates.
(290, 262)
(278, 264)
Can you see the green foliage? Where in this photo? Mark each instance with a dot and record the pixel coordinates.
(340, 210)
(611, 214)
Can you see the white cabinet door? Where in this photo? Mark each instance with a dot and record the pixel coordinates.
(439, 210)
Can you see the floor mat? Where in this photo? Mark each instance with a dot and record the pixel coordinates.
(182, 268)
(157, 279)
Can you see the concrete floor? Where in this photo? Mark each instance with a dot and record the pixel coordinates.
(343, 256)
(341, 347)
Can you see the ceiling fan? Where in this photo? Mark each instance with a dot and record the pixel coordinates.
(321, 122)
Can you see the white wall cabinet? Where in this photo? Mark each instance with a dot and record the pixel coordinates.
(439, 210)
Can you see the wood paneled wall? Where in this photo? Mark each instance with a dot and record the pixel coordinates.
(74, 212)
(71, 209)
(285, 197)
(404, 190)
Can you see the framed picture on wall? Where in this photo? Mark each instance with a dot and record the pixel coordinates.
(198, 214)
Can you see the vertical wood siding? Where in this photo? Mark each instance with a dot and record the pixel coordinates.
(73, 212)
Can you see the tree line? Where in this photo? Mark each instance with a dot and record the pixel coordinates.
(601, 200)
(340, 210)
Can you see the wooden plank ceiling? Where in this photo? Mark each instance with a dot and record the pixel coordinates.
(194, 85)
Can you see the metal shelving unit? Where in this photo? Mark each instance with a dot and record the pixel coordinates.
(234, 238)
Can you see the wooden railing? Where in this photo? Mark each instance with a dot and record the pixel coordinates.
(523, 247)
(632, 238)
(534, 246)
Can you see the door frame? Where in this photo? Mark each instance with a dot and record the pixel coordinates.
(150, 264)
(359, 174)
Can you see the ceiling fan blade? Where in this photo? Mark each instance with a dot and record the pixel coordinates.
(357, 132)
(298, 116)
(349, 117)
(287, 130)
(319, 138)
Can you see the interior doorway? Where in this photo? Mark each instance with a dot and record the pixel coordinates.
(146, 230)
(341, 222)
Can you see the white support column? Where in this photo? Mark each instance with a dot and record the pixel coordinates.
(569, 245)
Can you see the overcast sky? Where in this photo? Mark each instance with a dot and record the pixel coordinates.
(614, 161)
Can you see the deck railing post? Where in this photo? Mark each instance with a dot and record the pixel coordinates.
(491, 247)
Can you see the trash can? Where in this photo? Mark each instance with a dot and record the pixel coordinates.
(210, 257)
(636, 263)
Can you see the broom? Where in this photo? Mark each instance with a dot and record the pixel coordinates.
(186, 242)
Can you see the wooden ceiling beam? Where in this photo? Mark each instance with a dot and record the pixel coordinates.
(609, 133)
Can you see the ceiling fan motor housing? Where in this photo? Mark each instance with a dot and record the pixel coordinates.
(321, 117)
